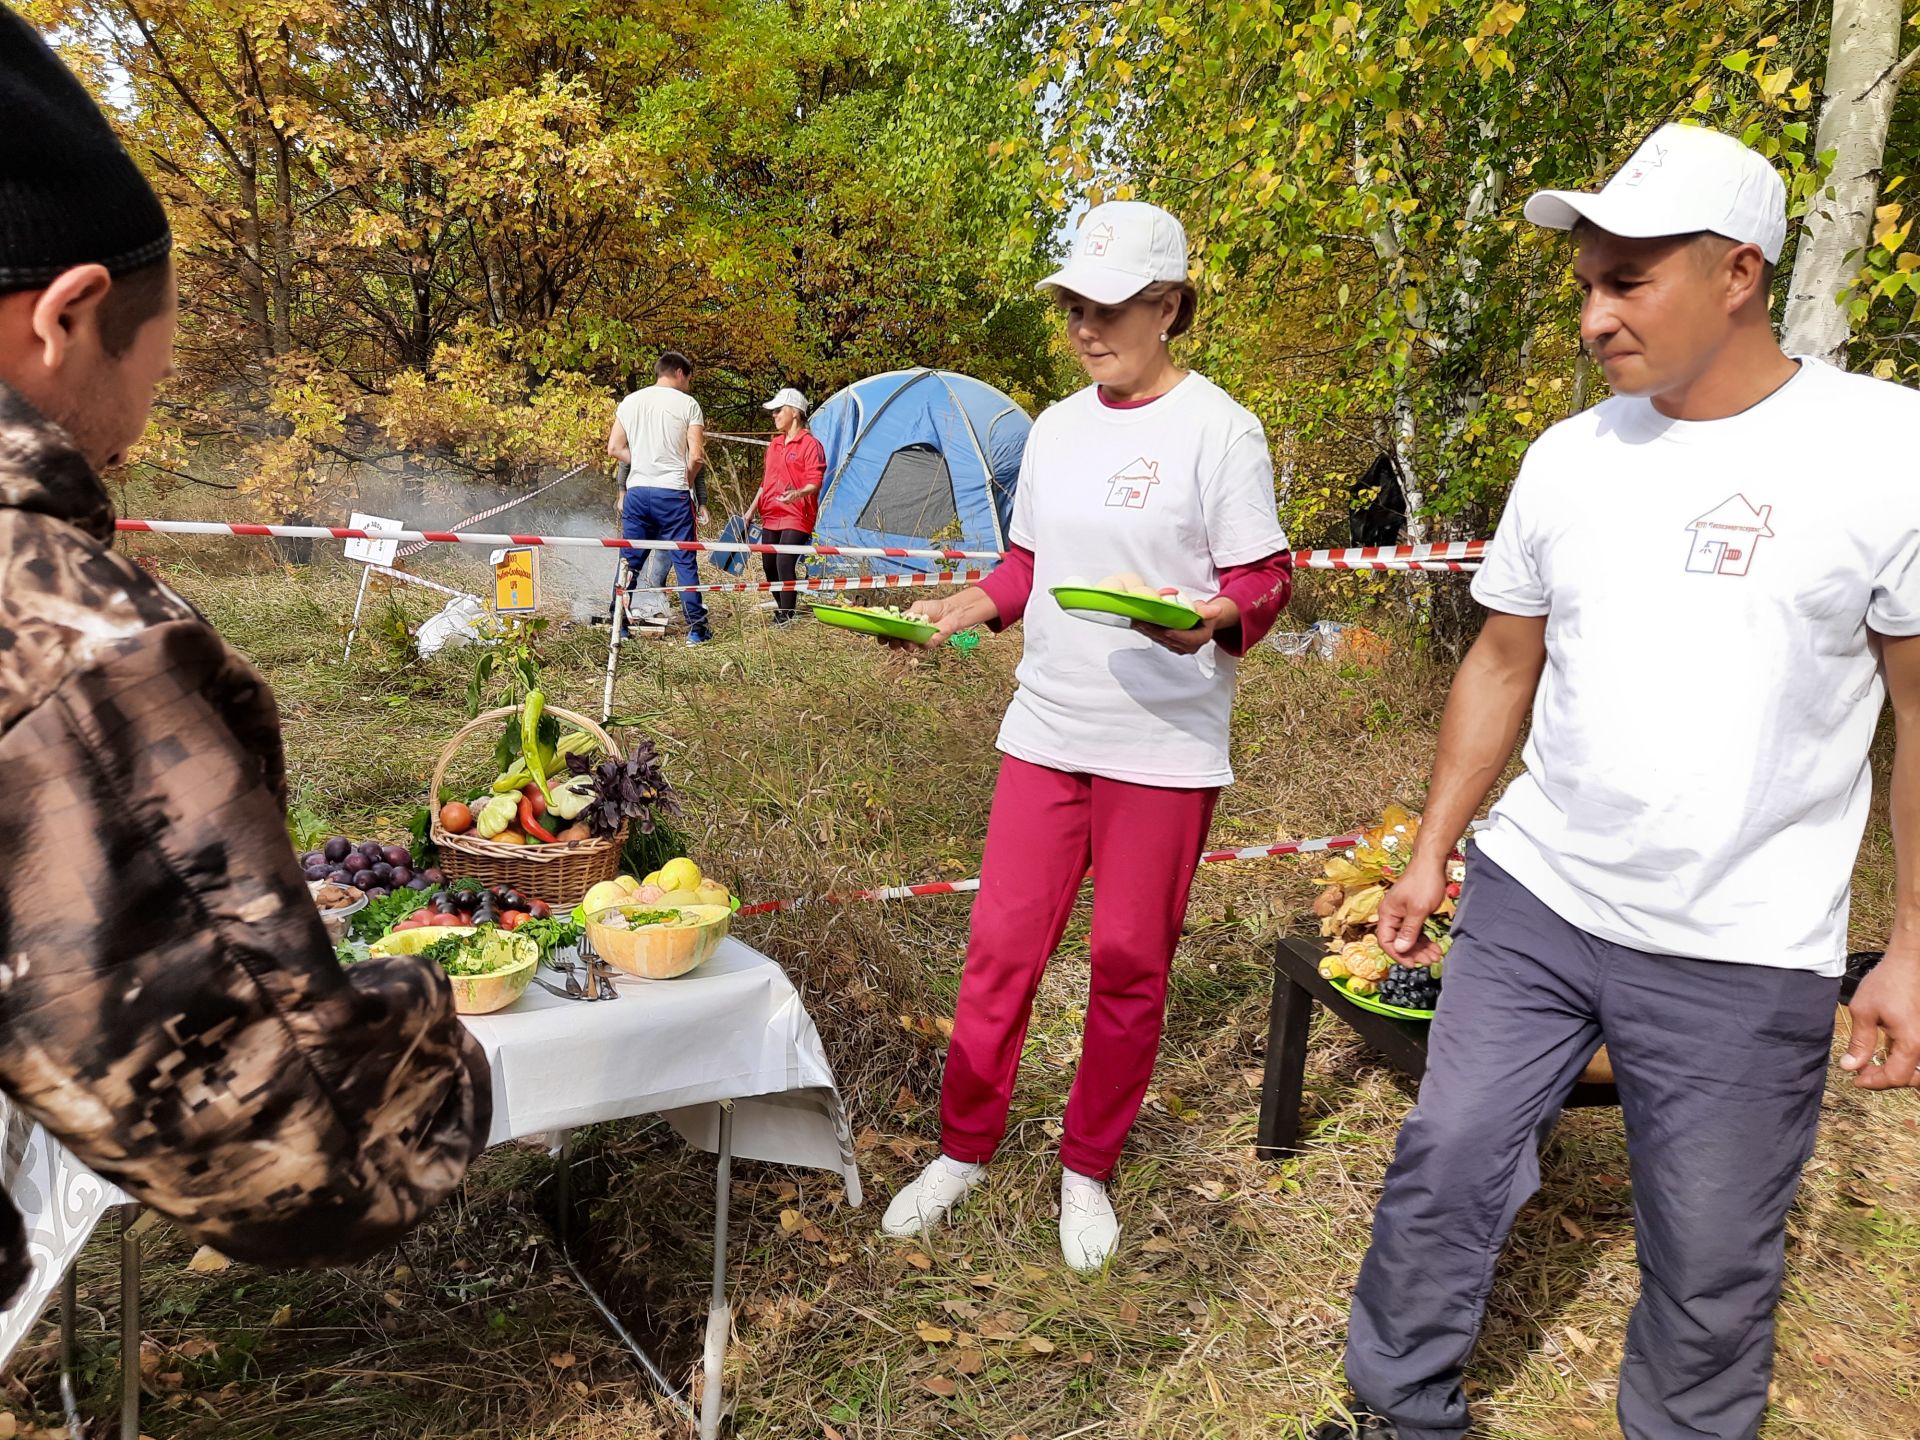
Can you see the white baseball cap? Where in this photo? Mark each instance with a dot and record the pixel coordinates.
(1123, 247)
(787, 395)
(1683, 179)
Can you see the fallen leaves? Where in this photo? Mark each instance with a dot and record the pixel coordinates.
(942, 1386)
(207, 1261)
(564, 1361)
(934, 1334)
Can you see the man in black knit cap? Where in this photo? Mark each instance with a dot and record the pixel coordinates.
(170, 1008)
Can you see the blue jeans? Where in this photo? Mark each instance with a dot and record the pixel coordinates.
(653, 514)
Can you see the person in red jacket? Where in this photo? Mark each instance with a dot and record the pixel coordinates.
(789, 500)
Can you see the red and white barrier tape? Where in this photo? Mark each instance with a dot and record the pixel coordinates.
(822, 582)
(1453, 555)
(603, 542)
(419, 545)
(963, 887)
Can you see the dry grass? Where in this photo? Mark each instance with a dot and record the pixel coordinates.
(811, 762)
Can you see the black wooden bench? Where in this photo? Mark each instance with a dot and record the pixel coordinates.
(1298, 984)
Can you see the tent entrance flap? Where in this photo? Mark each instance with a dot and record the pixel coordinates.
(914, 495)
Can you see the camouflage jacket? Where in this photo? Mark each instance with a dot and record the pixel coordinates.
(170, 1007)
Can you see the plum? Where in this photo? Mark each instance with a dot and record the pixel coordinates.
(363, 879)
(378, 892)
(396, 855)
(337, 849)
(402, 875)
(316, 872)
(418, 883)
(435, 875)
(357, 863)
(382, 870)
(340, 875)
(372, 849)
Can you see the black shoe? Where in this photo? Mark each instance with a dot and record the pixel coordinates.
(1365, 1425)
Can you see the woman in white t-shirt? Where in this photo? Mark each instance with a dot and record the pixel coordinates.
(1115, 744)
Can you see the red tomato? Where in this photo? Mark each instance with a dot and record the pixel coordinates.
(512, 919)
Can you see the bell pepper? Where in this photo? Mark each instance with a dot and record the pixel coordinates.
(530, 714)
(531, 825)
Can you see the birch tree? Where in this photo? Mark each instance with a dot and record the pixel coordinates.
(1865, 70)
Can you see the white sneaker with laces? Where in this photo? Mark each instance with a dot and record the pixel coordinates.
(935, 1191)
(1089, 1230)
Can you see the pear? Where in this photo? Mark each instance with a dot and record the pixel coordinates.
(712, 892)
(675, 898)
(628, 884)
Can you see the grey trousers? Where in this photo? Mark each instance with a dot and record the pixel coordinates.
(1720, 1069)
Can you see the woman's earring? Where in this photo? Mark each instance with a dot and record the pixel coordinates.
(1163, 337)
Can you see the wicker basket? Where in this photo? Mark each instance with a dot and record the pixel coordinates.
(560, 874)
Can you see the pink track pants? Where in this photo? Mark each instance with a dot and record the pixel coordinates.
(1143, 843)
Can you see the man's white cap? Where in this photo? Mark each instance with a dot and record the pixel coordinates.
(1684, 179)
(787, 396)
(1123, 247)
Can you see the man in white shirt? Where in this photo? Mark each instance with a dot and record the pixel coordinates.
(1704, 587)
(659, 434)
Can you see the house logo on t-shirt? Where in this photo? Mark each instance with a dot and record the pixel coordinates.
(1724, 538)
(1128, 490)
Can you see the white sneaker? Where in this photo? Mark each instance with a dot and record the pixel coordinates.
(925, 1203)
(1089, 1230)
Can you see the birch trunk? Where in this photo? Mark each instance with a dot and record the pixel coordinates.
(1863, 79)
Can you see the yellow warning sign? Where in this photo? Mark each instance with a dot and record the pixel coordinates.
(516, 581)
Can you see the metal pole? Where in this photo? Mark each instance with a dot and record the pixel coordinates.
(366, 574)
(719, 1320)
(563, 1195)
(69, 1402)
(617, 621)
(129, 1324)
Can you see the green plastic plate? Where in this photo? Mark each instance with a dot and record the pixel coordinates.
(1117, 607)
(1380, 1007)
(855, 617)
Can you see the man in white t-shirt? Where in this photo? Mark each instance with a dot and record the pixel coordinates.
(1704, 587)
(659, 434)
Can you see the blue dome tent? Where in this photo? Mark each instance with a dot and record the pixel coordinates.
(919, 458)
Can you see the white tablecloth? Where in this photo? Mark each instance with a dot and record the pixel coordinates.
(732, 1030)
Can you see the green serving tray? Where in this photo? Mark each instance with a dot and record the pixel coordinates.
(856, 617)
(1119, 607)
(1380, 1007)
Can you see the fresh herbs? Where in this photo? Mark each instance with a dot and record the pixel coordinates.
(640, 919)
(382, 913)
(550, 935)
(632, 789)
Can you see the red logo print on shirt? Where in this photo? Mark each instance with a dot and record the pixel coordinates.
(1724, 538)
(1129, 489)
